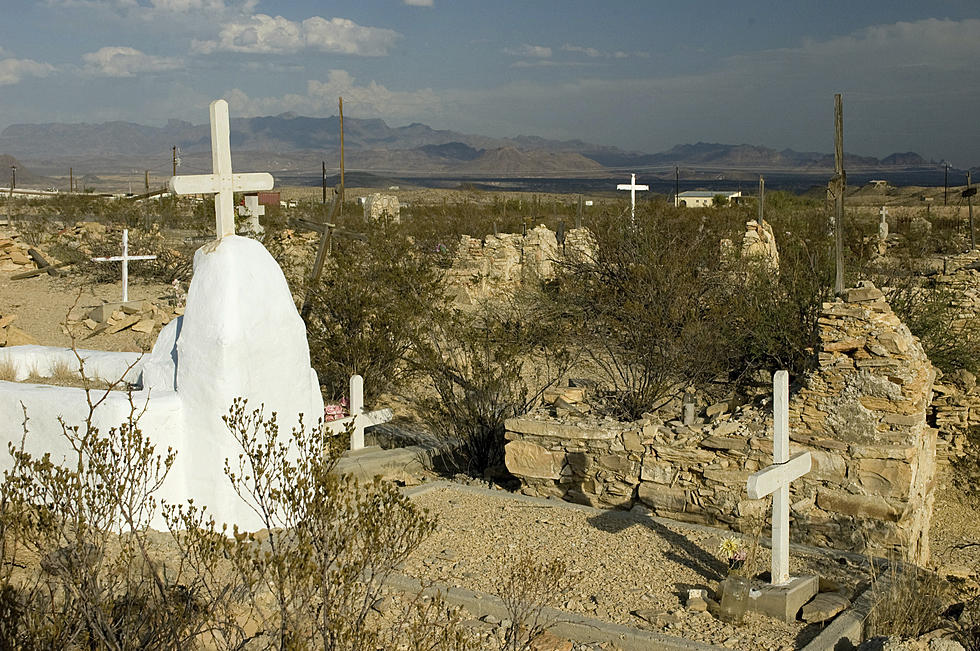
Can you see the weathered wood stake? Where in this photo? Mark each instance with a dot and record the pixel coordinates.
(840, 183)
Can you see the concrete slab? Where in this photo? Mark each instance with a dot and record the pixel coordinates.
(784, 601)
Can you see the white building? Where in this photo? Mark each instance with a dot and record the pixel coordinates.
(703, 198)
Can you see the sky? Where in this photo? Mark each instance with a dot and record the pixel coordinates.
(642, 75)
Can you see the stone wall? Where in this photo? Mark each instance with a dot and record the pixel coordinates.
(956, 407)
(861, 414)
(498, 265)
(378, 206)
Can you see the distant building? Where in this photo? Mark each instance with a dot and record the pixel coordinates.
(704, 198)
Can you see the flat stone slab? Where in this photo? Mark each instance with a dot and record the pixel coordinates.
(784, 601)
(824, 606)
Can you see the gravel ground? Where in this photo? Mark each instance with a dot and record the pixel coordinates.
(619, 563)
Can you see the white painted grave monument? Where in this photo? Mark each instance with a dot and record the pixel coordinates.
(240, 336)
(125, 258)
(632, 187)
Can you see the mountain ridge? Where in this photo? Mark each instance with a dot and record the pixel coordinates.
(416, 146)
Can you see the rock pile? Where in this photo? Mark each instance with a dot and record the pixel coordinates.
(11, 335)
(759, 243)
(144, 317)
(861, 414)
(14, 256)
(381, 206)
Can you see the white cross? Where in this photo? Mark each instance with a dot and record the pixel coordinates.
(883, 212)
(222, 183)
(125, 258)
(776, 478)
(632, 187)
(252, 210)
(360, 418)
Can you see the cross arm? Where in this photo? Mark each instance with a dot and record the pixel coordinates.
(210, 183)
(769, 479)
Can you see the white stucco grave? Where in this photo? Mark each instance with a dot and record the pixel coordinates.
(240, 336)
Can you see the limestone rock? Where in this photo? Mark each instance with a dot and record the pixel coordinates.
(17, 337)
(526, 459)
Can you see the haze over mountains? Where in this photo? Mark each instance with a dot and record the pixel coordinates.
(291, 142)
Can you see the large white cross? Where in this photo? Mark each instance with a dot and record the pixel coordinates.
(776, 478)
(360, 418)
(125, 258)
(222, 183)
(632, 187)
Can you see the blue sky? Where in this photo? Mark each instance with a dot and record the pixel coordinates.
(641, 75)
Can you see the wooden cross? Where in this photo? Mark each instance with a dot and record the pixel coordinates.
(125, 258)
(360, 418)
(632, 187)
(776, 478)
(221, 183)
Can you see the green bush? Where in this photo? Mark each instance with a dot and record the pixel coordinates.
(373, 300)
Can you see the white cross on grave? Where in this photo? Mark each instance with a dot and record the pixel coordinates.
(252, 210)
(125, 258)
(776, 478)
(883, 212)
(632, 187)
(360, 418)
(221, 183)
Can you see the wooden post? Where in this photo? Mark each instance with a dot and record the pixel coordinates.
(321, 254)
(840, 183)
(341, 151)
(175, 161)
(762, 198)
(71, 180)
(578, 215)
(323, 165)
(146, 180)
(969, 202)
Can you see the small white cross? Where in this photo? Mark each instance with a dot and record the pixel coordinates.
(125, 258)
(776, 478)
(222, 183)
(360, 418)
(883, 212)
(632, 187)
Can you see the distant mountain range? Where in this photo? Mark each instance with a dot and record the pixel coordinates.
(289, 142)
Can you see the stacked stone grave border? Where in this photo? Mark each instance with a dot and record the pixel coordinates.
(862, 413)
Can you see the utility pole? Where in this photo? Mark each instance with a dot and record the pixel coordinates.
(762, 198)
(341, 102)
(146, 180)
(323, 165)
(945, 183)
(677, 185)
(71, 180)
(13, 179)
(840, 184)
(175, 160)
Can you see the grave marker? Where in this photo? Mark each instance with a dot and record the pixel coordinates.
(222, 183)
(360, 418)
(632, 187)
(125, 258)
(251, 209)
(776, 478)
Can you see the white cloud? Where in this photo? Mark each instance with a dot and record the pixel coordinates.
(368, 100)
(13, 70)
(267, 35)
(587, 51)
(418, 3)
(119, 61)
(536, 51)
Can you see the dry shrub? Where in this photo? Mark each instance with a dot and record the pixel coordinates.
(528, 588)
(8, 371)
(908, 600)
